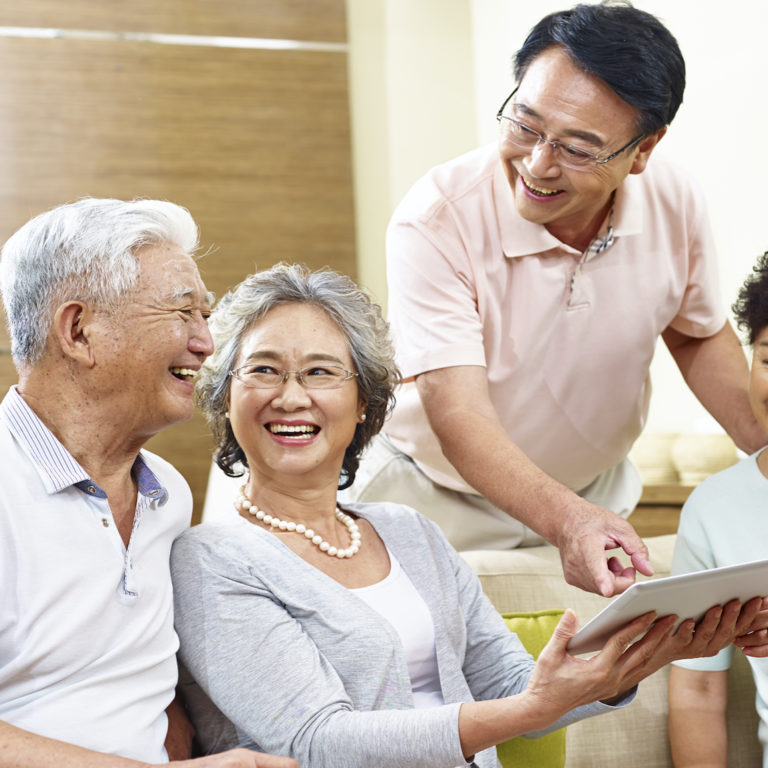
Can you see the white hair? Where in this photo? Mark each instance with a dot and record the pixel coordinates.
(82, 251)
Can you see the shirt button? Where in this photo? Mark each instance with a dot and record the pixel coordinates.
(105, 522)
(91, 489)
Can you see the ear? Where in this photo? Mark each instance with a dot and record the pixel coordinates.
(71, 332)
(644, 149)
(362, 404)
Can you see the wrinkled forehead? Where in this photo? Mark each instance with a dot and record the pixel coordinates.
(303, 328)
(169, 273)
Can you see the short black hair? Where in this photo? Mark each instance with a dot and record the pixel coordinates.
(751, 307)
(629, 49)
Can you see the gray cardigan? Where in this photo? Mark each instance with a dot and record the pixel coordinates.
(280, 657)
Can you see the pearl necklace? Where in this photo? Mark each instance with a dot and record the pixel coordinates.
(244, 503)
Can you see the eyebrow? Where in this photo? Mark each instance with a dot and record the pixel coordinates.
(269, 354)
(183, 292)
(571, 133)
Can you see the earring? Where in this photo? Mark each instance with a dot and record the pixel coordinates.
(226, 415)
(363, 418)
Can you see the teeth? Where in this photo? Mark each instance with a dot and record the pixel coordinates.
(299, 429)
(186, 373)
(540, 190)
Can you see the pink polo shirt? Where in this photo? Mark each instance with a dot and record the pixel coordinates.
(567, 346)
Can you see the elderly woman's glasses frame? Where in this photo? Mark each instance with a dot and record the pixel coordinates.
(567, 155)
(261, 376)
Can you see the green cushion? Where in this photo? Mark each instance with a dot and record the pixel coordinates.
(534, 630)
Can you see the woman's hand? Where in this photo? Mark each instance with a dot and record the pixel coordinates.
(562, 682)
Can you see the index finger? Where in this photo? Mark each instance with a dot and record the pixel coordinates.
(583, 553)
(628, 540)
(637, 550)
(616, 577)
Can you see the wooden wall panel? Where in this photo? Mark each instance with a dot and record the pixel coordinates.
(308, 20)
(254, 142)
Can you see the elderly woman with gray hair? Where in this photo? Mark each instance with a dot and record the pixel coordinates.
(355, 635)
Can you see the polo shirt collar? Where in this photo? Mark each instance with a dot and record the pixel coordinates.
(628, 208)
(56, 467)
(520, 237)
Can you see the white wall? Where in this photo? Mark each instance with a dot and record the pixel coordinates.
(444, 68)
(412, 92)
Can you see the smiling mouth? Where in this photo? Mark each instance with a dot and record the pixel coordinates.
(185, 374)
(293, 430)
(540, 191)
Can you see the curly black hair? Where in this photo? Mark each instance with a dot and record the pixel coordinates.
(751, 307)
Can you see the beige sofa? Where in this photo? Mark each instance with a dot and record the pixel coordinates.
(532, 580)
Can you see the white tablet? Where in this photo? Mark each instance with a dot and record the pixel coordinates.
(688, 595)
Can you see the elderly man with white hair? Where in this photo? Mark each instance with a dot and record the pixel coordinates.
(108, 321)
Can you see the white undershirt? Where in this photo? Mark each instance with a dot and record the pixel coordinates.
(397, 600)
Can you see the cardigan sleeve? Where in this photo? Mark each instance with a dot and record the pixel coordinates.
(496, 663)
(265, 674)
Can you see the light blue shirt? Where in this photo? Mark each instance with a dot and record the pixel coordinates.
(725, 522)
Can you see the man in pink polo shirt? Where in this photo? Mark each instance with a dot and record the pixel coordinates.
(529, 283)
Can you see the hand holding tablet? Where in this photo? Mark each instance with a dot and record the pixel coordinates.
(687, 595)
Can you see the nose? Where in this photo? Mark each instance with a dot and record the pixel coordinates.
(541, 162)
(200, 340)
(291, 395)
